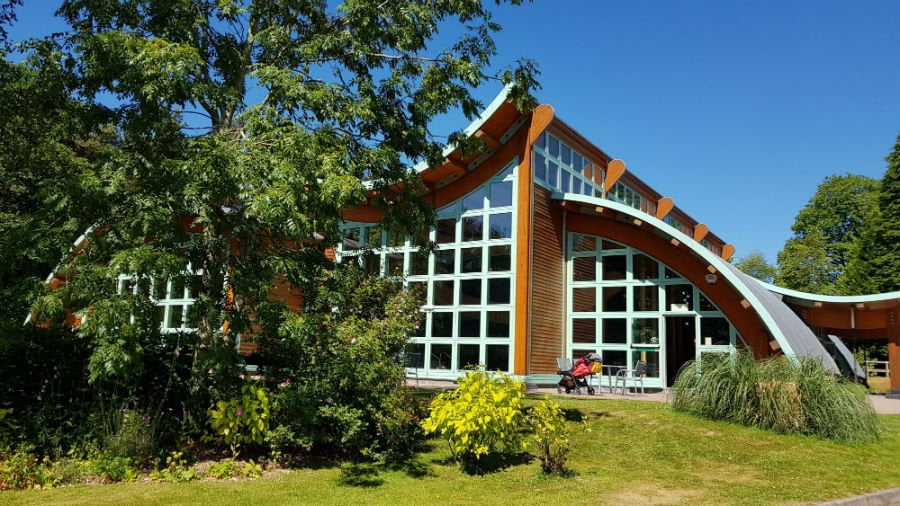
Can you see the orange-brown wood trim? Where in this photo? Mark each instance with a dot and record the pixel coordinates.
(540, 120)
(894, 362)
(700, 232)
(745, 320)
(488, 140)
(727, 252)
(614, 170)
(664, 206)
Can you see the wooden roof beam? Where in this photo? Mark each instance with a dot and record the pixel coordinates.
(615, 169)
(488, 140)
(700, 232)
(664, 206)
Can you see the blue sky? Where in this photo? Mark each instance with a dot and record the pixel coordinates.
(735, 109)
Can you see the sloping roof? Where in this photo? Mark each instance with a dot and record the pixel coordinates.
(832, 299)
(801, 339)
(847, 356)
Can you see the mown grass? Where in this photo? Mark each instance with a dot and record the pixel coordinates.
(635, 452)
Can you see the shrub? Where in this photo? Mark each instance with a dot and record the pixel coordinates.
(339, 384)
(550, 436)
(481, 417)
(177, 470)
(131, 434)
(22, 470)
(789, 397)
(230, 468)
(111, 468)
(68, 471)
(242, 420)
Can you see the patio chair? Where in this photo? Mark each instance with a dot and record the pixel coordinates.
(411, 361)
(635, 376)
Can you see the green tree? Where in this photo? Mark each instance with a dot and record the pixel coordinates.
(803, 265)
(875, 267)
(756, 265)
(836, 214)
(261, 121)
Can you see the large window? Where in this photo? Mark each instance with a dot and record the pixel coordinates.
(174, 298)
(468, 281)
(558, 166)
(622, 302)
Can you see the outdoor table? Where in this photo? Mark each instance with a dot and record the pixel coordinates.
(610, 371)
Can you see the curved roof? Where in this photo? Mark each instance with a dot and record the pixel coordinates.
(832, 299)
(794, 337)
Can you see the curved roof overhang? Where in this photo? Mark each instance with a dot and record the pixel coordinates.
(785, 327)
(872, 301)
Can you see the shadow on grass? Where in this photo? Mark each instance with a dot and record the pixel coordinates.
(573, 415)
(360, 475)
(496, 462)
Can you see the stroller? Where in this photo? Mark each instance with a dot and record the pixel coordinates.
(577, 378)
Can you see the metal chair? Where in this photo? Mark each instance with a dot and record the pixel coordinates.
(411, 361)
(635, 376)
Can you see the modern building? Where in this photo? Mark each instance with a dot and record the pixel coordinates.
(548, 247)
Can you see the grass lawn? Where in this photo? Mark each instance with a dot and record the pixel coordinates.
(635, 453)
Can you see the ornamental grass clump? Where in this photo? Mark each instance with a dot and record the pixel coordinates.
(481, 418)
(799, 397)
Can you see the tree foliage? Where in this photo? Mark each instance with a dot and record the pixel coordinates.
(827, 232)
(756, 265)
(243, 131)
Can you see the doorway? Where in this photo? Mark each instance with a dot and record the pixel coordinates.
(681, 345)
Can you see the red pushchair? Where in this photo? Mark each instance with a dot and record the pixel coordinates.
(576, 378)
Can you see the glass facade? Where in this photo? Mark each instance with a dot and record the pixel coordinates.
(561, 168)
(467, 283)
(628, 306)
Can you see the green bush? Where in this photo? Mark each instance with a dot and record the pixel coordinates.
(131, 434)
(21, 470)
(551, 436)
(230, 468)
(177, 470)
(242, 420)
(799, 397)
(68, 471)
(335, 369)
(112, 468)
(483, 416)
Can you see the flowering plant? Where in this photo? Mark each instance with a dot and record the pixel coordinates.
(242, 420)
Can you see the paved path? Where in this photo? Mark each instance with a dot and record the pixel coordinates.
(882, 405)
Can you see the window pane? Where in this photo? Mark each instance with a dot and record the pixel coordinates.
(670, 274)
(468, 356)
(584, 269)
(582, 242)
(609, 245)
(565, 154)
(498, 323)
(443, 293)
(471, 260)
(564, 180)
(351, 239)
(395, 239)
(441, 324)
(577, 162)
(501, 194)
(500, 258)
(614, 330)
(469, 324)
(714, 332)
(584, 300)
(441, 356)
(539, 142)
(651, 357)
(394, 264)
(540, 167)
(576, 185)
(501, 226)
(645, 331)
(497, 357)
(584, 330)
(372, 263)
(498, 291)
(646, 298)
(177, 291)
(615, 358)
(470, 291)
(554, 145)
(415, 355)
(473, 228)
(614, 267)
(175, 314)
(552, 173)
(419, 265)
(474, 200)
(614, 298)
(373, 236)
(706, 305)
(446, 231)
(160, 289)
(645, 267)
(680, 297)
(443, 261)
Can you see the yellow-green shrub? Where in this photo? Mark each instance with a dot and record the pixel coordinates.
(481, 417)
(551, 436)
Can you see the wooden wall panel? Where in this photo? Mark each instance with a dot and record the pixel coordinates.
(547, 285)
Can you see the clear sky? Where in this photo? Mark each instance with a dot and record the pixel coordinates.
(736, 109)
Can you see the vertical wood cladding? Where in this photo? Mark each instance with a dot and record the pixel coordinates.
(281, 291)
(547, 285)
